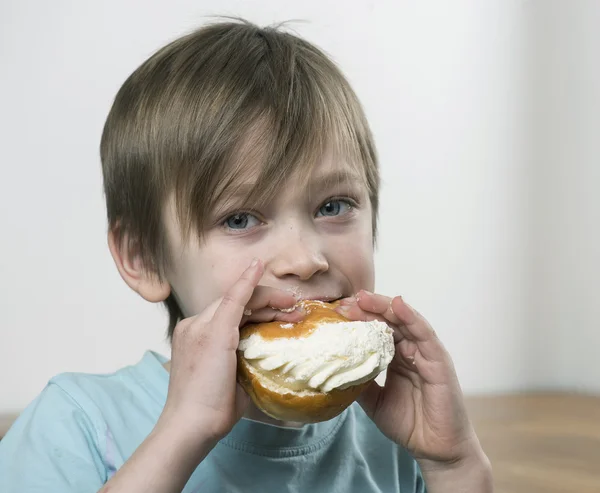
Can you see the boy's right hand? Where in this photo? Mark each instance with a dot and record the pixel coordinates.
(204, 398)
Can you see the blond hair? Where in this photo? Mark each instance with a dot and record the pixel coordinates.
(185, 122)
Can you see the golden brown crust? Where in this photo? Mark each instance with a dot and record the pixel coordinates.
(291, 406)
(317, 312)
(307, 407)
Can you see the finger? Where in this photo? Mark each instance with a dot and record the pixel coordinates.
(419, 330)
(435, 371)
(272, 315)
(416, 324)
(355, 312)
(263, 296)
(407, 349)
(407, 355)
(408, 321)
(377, 303)
(351, 300)
(230, 311)
(396, 311)
(266, 296)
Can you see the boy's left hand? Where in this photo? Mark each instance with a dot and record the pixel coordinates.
(421, 405)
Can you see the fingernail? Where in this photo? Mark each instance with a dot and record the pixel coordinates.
(344, 310)
(347, 301)
(254, 262)
(285, 310)
(363, 292)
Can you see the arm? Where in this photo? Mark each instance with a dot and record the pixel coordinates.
(163, 463)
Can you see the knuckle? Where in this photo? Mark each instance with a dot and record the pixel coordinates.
(228, 300)
(232, 340)
(202, 339)
(246, 277)
(190, 332)
(181, 329)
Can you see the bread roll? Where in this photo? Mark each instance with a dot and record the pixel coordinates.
(312, 370)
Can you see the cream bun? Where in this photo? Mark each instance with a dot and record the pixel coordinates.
(312, 370)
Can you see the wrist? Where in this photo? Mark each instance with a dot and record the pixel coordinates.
(472, 473)
(184, 441)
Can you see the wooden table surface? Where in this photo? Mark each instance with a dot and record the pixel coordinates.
(538, 443)
(5, 421)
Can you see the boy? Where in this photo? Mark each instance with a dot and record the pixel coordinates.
(241, 176)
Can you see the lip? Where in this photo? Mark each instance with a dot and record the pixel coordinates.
(327, 299)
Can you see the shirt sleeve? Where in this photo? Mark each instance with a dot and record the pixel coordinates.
(420, 487)
(52, 447)
(419, 481)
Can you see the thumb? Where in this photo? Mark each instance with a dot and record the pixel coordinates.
(369, 399)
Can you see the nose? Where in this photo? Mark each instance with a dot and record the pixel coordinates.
(298, 253)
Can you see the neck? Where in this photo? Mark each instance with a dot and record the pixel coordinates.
(253, 412)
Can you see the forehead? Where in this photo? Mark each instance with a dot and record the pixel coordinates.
(328, 174)
(252, 186)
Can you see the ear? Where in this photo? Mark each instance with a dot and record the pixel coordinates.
(143, 281)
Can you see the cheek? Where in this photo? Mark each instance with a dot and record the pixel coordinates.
(224, 264)
(224, 273)
(354, 257)
(204, 276)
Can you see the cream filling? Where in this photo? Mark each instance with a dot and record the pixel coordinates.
(335, 355)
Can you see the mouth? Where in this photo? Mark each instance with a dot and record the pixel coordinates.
(326, 295)
(326, 299)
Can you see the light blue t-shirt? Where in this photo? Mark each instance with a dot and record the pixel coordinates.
(83, 427)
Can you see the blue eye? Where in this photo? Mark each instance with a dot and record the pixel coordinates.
(334, 208)
(241, 221)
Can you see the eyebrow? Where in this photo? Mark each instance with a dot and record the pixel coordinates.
(316, 185)
(321, 182)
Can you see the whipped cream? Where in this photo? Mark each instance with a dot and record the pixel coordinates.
(335, 355)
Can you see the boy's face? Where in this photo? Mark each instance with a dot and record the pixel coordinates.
(314, 241)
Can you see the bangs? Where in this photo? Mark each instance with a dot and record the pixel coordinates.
(292, 108)
(269, 163)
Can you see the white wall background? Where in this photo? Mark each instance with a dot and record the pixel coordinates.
(566, 193)
(486, 115)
